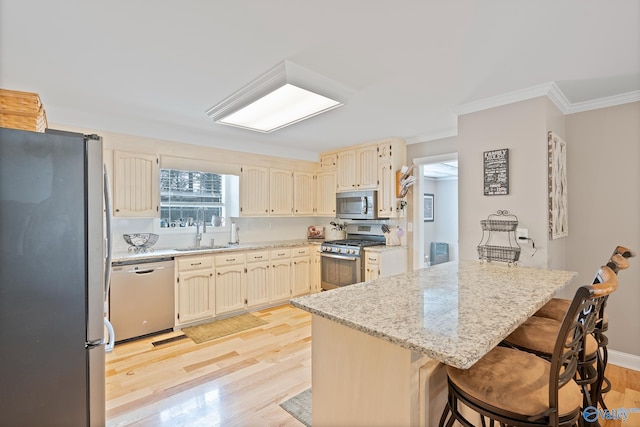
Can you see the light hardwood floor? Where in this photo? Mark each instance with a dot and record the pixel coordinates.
(240, 380)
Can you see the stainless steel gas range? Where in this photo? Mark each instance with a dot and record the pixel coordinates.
(342, 260)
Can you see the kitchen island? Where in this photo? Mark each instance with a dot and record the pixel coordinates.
(379, 347)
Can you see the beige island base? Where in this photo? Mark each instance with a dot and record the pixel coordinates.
(379, 348)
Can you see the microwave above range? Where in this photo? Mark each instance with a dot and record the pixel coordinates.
(357, 205)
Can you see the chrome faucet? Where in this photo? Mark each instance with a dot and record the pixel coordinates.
(204, 226)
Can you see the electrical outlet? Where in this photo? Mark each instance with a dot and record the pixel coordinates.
(522, 233)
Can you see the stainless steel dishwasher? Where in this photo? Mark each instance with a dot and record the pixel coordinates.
(141, 298)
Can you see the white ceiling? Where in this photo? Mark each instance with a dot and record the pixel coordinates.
(152, 67)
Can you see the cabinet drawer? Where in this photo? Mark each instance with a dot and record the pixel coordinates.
(372, 257)
(301, 251)
(257, 256)
(195, 263)
(280, 253)
(229, 259)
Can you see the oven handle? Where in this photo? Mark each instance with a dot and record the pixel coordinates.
(347, 258)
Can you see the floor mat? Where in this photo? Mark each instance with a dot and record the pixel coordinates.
(221, 328)
(300, 407)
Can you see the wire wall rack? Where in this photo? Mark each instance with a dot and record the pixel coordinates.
(509, 249)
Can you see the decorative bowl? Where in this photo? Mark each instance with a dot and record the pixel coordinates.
(141, 240)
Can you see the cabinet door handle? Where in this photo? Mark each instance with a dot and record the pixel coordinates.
(230, 259)
(196, 263)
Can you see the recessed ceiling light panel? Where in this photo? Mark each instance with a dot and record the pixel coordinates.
(281, 97)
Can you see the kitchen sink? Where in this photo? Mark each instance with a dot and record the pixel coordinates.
(201, 248)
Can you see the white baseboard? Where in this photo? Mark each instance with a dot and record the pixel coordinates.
(626, 360)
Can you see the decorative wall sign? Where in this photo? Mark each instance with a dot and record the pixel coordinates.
(558, 215)
(496, 172)
(428, 207)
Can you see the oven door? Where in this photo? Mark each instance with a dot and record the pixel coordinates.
(339, 270)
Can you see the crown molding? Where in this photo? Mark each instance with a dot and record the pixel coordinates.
(432, 136)
(609, 101)
(553, 92)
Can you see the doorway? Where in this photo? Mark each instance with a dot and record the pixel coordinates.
(435, 213)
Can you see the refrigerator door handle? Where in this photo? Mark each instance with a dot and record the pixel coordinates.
(112, 337)
(108, 248)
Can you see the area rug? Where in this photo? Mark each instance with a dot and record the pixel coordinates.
(300, 407)
(221, 328)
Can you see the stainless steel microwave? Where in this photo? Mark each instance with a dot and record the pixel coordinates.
(357, 205)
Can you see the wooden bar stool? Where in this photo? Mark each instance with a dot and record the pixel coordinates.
(557, 307)
(517, 388)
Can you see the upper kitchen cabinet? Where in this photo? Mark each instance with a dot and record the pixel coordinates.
(326, 193)
(254, 191)
(392, 155)
(328, 161)
(370, 166)
(357, 168)
(136, 179)
(280, 192)
(304, 195)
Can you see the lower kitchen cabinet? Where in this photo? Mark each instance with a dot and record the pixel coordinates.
(280, 274)
(258, 278)
(195, 289)
(300, 271)
(384, 262)
(230, 276)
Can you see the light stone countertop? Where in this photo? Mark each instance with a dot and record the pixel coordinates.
(453, 312)
(160, 253)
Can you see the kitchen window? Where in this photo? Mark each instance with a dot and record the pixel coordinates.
(184, 192)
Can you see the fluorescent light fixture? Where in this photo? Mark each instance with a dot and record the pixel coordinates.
(284, 95)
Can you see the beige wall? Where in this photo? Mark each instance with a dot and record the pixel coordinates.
(603, 163)
(522, 128)
(603, 158)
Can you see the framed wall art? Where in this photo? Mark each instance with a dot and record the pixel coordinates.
(496, 172)
(557, 167)
(428, 207)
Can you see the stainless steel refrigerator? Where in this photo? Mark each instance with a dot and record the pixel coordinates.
(52, 265)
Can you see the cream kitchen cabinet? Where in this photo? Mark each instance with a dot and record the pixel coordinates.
(304, 193)
(371, 266)
(386, 191)
(326, 193)
(346, 174)
(367, 167)
(357, 168)
(300, 270)
(384, 261)
(316, 271)
(280, 192)
(230, 282)
(392, 154)
(136, 184)
(254, 191)
(258, 278)
(280, 274)
(328, 161)
(195, 289)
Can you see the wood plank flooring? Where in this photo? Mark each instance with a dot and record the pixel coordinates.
(240, 380)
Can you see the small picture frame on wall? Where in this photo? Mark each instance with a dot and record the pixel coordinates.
(496, 172)
(428, 207)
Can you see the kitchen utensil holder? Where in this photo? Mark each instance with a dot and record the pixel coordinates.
(504, 222)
